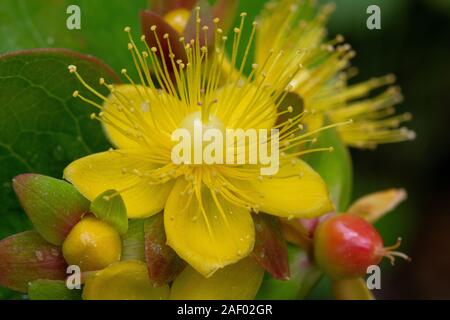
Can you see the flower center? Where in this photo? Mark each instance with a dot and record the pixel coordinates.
(201, 139)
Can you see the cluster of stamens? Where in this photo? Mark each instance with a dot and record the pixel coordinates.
(172, 87)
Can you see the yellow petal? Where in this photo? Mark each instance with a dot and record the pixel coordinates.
(295, 191)
(127, 280)
(155, 112)
(373, 206)
(239, 281)
(209, 239)
(119, 170)
(351, 289)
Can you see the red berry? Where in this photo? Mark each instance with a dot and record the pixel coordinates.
(345, 245)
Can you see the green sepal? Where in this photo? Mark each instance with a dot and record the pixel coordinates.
(53, 206)
(52, 290)
(109, 207)
(25, 257)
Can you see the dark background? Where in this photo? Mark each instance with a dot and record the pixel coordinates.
(414, 44)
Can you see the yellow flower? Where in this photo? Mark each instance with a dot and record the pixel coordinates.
(322, 83)
(207, 207)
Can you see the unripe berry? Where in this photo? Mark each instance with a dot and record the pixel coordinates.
(92, 245)
(346, 245)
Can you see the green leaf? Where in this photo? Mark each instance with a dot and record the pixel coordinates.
(7, 294)
(335, 167)
(53, 206)
(304, 276)
(42, 127)
(34, 24)
(110, 208)
(52, 290)
(133, 247)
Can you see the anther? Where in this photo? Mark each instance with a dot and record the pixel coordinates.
(75, 93)
(72, 68)
(127, 29)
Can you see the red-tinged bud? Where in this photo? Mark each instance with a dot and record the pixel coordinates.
(163, 264)
(346, 245)
(53, 206)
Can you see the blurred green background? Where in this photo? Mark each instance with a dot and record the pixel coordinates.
(414, 43)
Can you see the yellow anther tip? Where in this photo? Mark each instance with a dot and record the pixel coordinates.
(153, 27)
(75, 93)
(72, 68)
(127, 29)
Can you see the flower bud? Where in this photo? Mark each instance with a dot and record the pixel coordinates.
(346, 245)
(92, 245)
